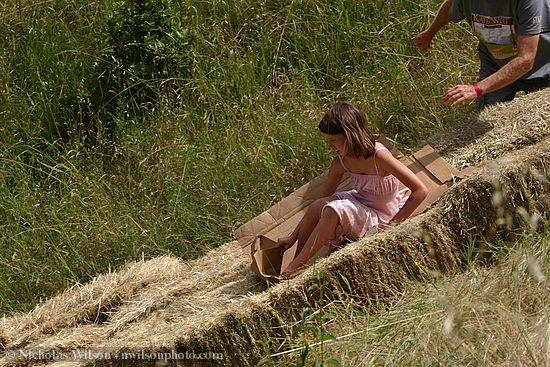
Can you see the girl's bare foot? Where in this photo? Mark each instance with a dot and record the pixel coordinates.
(291, 270)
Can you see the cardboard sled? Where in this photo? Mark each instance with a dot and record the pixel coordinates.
(258, 236)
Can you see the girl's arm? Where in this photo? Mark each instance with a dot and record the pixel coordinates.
(388, 164)
(334, 176)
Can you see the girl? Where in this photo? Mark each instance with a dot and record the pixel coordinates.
(375, 199)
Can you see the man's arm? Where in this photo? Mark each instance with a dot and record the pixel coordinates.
(516, 68)
(424, 40)
(509, 73)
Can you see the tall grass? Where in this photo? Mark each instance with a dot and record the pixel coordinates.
(88, 182)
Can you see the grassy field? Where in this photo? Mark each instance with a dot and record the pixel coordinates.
(131, 131)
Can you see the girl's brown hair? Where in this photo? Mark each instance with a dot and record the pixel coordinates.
(346, 119)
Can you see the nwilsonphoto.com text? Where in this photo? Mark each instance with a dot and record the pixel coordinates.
(106, 354)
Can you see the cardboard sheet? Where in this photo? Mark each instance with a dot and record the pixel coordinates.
(258, 237)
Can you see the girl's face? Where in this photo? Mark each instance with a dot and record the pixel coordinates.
(337, 142)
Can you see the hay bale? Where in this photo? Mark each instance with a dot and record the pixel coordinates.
(91, 303)
(216, 304)
(498, 129)
(149, 295)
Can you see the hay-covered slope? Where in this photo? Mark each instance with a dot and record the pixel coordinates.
(499, 129)
(216, 305)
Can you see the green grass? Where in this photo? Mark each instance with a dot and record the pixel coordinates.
(105, 160)
(489, 316)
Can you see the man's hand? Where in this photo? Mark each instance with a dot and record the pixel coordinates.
(459, 94)
(424, 40)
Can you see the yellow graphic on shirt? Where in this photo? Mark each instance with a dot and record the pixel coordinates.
(497, 34)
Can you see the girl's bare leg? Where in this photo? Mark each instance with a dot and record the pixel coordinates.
(310, 221)
(321, 234)
(306, 226)
(287, 242)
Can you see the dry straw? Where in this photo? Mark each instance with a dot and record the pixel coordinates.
(215, 304)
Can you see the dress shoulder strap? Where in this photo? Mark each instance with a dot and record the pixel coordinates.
(376, 150)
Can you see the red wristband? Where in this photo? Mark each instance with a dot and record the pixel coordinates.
(478, 90)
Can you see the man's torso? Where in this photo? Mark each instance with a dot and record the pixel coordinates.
(498, 23)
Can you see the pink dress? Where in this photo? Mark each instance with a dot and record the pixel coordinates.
(373, 200)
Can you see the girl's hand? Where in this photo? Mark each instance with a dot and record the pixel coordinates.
(383, 226)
